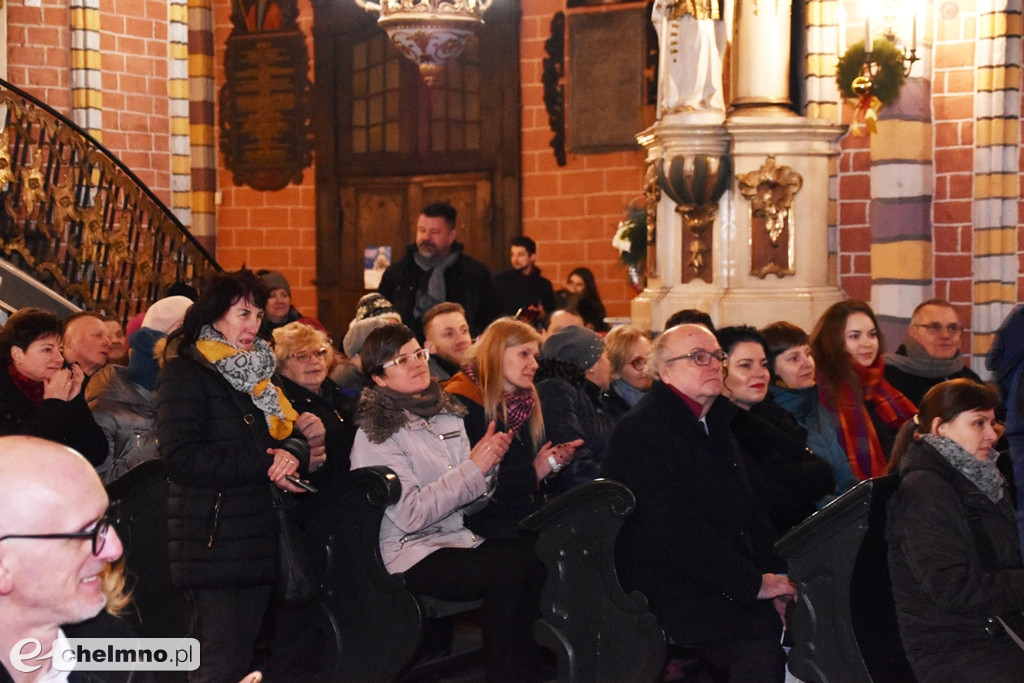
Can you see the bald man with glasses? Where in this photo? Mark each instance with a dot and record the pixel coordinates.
(930, 352)
(698, 546)
(57, 544)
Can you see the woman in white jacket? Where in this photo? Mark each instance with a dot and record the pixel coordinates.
(409, 424)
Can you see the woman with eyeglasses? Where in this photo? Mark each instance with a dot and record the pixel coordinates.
(847, 347)
(628, 348)
(954, 552)
(228, 434)
(794, 387)
(497, 385)
(304, 361)
(408, 423)
(786, 478)
(40, 394)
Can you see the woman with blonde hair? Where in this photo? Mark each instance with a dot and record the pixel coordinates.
(497, 385)
(304, 360)
(628, 348)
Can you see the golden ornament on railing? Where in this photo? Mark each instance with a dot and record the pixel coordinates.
(429, 32)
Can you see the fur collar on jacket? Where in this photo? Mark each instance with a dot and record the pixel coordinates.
(380, 418)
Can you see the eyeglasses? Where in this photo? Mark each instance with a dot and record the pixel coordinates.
(703, 358)
(305, 356)
(938, 328)
(400, 361)
(98, 534)
(638, 363)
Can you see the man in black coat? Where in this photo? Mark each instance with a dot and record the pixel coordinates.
(697, 545)
(930, 353)
(435, 269)
(522, 285)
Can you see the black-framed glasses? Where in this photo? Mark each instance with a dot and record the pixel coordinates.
(305, 356)
(703, 358)
(939, 328)
(638, 363)
(98, 534)
(400, 361)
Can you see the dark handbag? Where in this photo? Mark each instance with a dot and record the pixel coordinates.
(296, 575)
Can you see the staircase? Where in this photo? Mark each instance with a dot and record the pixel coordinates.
(78, 230)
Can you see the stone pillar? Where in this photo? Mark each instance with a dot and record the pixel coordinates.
(739, 288)
(760, 61)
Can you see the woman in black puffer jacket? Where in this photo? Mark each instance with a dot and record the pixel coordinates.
(227, 434)
(574, 371)
(954, 553)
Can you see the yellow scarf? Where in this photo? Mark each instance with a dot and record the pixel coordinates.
(280, 422)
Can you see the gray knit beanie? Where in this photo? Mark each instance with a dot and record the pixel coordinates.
(574, 344)
(274, 280)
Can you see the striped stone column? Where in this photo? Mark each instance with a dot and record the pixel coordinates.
(85, 79)
(997, 106)
(178, 104)
(900, 213)
(822, 54)
(202, 140)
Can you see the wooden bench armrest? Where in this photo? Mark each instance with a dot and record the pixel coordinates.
(597, 631)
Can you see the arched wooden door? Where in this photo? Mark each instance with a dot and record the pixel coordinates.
(387, 144)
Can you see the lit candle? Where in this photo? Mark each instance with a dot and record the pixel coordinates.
(868, 43)
(913, 32)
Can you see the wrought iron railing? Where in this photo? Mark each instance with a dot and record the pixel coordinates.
(77, 220)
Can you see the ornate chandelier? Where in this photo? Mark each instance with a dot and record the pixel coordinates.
(429, 32)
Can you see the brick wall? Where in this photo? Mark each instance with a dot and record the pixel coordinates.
(133, 65)
(274, 230)
(37, 51)
(572, 210)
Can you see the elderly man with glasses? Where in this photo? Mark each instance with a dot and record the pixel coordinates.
(698, 546)
(930, 353)
(56, 547)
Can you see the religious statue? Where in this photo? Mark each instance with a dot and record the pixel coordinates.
(692, 37)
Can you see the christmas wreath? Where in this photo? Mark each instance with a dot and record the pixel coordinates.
(871, 92)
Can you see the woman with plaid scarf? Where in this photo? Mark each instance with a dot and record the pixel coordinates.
(847, 348)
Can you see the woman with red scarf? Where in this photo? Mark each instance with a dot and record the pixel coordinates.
(40, 395)
(847, 348)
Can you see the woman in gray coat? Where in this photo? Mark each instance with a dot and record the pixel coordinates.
(408, 423)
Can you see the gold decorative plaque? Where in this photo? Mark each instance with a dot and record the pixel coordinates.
(771, 190)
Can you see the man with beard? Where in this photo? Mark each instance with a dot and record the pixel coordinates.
(522, 285)
(435, 269)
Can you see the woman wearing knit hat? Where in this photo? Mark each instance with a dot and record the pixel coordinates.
(279, 310)
(497, 384)
(372, 311)
(574, 372)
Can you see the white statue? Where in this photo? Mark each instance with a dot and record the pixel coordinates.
(692, 37)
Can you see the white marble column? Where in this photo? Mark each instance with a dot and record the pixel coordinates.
(760, 59)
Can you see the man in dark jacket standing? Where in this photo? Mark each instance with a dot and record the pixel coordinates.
(522, 285)
(435, 269)
(697, 545)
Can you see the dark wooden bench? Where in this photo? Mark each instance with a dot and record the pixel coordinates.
(598, 632)
(844, 624)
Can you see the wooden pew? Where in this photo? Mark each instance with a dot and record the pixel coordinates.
(844, 624)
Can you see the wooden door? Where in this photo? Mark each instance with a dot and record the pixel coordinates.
(387, 145)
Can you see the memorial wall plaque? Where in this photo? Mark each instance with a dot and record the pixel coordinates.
(266, 135)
